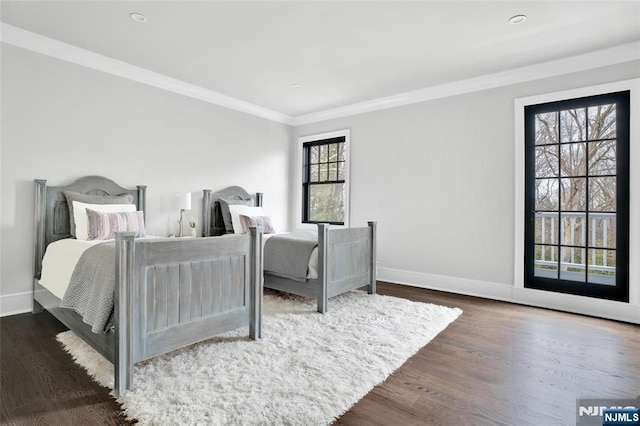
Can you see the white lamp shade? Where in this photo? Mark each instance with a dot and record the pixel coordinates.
(183, 200)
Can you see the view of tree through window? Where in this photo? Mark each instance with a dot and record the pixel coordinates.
(576, 163)
(575, 171)
(324, 181)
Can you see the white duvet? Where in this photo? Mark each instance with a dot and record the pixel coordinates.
(61, 257)
(59, 261)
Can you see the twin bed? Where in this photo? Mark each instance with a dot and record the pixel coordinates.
(172, 292)
(344, 258)
(169, 292)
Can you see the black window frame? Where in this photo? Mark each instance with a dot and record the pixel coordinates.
(306, 175)
(619, 292)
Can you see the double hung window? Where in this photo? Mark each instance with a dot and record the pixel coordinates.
(324, 180)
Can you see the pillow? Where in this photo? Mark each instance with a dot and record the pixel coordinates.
(80, 215)
(237, 209)
(92, 199)
(226, 214)
(103, 226)
(249, 221)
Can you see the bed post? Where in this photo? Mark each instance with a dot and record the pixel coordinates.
(255, 281)
(123, 315)
(142, 200)
(39, 243)
(259, 199)
(371, 288)
(323, 299)
(206, 213)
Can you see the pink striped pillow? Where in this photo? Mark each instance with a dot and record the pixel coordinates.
(264, 221)
(103, 226)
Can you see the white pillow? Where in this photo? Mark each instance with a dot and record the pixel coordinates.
(82, 221)
(237, 209)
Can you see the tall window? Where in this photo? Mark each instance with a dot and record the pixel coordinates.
(577, 196)
(324, 180)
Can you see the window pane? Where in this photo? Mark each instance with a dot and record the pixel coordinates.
(323, 153)
(572, 160)
(602, 194)
(323, 173)
(546, 228)
(573, 193)
(602, 122)
(326, 203)
(572, 266)
(546, 261)
(602, 267)
(572, 232)
(333, 152)
(315, 156)
(333, 171)
(546, 194)
(341, 171)
(314, 174)
(573, 125)
(342, 154)
(547, 161)
(602, 158)
(602, 230)
(547, 128)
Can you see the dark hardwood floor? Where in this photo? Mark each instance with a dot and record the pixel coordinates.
(498, 363)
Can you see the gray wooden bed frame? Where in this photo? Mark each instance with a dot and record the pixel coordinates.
(346, 256)
(204, 286)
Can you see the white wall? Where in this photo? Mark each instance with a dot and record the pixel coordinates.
(439, 178)
(61, 121)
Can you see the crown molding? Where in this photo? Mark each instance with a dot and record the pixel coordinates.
(596, 59)
(54, 48)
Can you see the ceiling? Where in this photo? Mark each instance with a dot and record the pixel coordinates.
(339, 53)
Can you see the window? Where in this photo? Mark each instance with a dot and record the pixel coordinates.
(325, 169)
(577, 196)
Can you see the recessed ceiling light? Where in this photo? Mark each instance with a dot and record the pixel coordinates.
(296, 86)
(517, 19)
(138, 17)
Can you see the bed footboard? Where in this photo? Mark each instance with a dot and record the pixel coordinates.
(346, 261)
(176, 292)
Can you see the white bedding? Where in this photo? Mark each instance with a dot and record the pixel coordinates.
(61, 257)
(59, 261)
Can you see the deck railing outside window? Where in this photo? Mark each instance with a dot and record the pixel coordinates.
(572, 232)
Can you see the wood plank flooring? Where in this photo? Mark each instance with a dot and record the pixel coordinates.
(499, 363)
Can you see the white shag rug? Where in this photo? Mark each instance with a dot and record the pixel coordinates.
(309, 368)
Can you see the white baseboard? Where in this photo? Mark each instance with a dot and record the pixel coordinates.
(18, 303)
(445, 283)
(619, 311)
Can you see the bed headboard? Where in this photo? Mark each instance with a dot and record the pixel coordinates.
(212, 223)
(51, 220)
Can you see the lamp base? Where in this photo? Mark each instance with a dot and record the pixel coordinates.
(180, 233)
